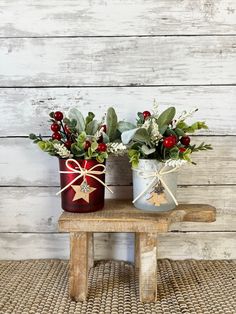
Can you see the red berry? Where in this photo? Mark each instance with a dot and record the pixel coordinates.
(55, 127)
(102, 147)
(104, 128)
(146, 114)
(67, 144)
(56, 136)
(182, 149)
(175, 138)
(169, 141)
(185, 140)
(67, 129)
(58, 115)
(87, 144)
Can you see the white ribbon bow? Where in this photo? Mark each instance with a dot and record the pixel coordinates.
(82, 172)
(156, 175)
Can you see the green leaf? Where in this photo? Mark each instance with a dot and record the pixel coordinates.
(134, 157)
(105, 138)
(76, 150)
(191, 128)
(166, 117)
(32, 136)
(163, 128)
(141, 135)
(146, 150)
(127, 136)
(41, 145)
(81, 138)
(89, 118)
(125, 126)
(182, 125)
(45, 146)
(170, 132)
(140, 119)
(179, 132)
(186, 155)
(111, 122)
(77, 115)
(174, 152)
(100, 158)
(92, 127)
(94, 146)
(51, 114)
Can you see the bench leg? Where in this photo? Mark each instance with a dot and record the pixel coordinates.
(90, 250)
(148, 267)
(78, 272)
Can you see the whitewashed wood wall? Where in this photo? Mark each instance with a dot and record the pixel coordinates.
(94, 54)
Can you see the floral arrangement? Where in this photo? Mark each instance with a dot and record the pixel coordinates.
(162, 137)
(76, 136)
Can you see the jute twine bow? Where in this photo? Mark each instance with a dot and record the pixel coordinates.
(82, 172)
(157, 176)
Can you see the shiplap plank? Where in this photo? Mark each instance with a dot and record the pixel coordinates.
(115, 61)
(195, 245)
(116, 17)
(37, 209)
(36, 168)
(27, 109)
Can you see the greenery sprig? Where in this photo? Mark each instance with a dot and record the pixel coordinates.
(79, 137)
(162, 137)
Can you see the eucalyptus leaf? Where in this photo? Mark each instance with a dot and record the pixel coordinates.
(89, 118)
(125, 126)
(77, 115)
(141, 135)
(166, 116)
(127, 136)
(146, 150)
(105, 138)
(111, 122)
(162, 129)
(92, 127)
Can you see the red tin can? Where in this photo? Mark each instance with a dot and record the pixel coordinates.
(72, 200)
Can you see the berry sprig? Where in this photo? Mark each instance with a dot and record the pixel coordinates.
(61, 131)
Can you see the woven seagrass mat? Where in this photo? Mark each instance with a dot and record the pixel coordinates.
(40, 286)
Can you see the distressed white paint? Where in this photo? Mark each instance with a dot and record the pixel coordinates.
(196, 245)
(24, 106)
(22, 163)
(32, 211)
(116, 17)
(37, 209)
(115, 61)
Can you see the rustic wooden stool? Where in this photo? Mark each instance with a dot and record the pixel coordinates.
(122, 216)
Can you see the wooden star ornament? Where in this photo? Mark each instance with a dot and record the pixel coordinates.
(82, 191)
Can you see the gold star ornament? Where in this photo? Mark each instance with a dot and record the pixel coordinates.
(82, 191)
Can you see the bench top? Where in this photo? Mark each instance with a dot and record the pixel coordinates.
(122, 216)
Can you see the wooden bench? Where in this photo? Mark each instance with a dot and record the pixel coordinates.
(122, 216)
